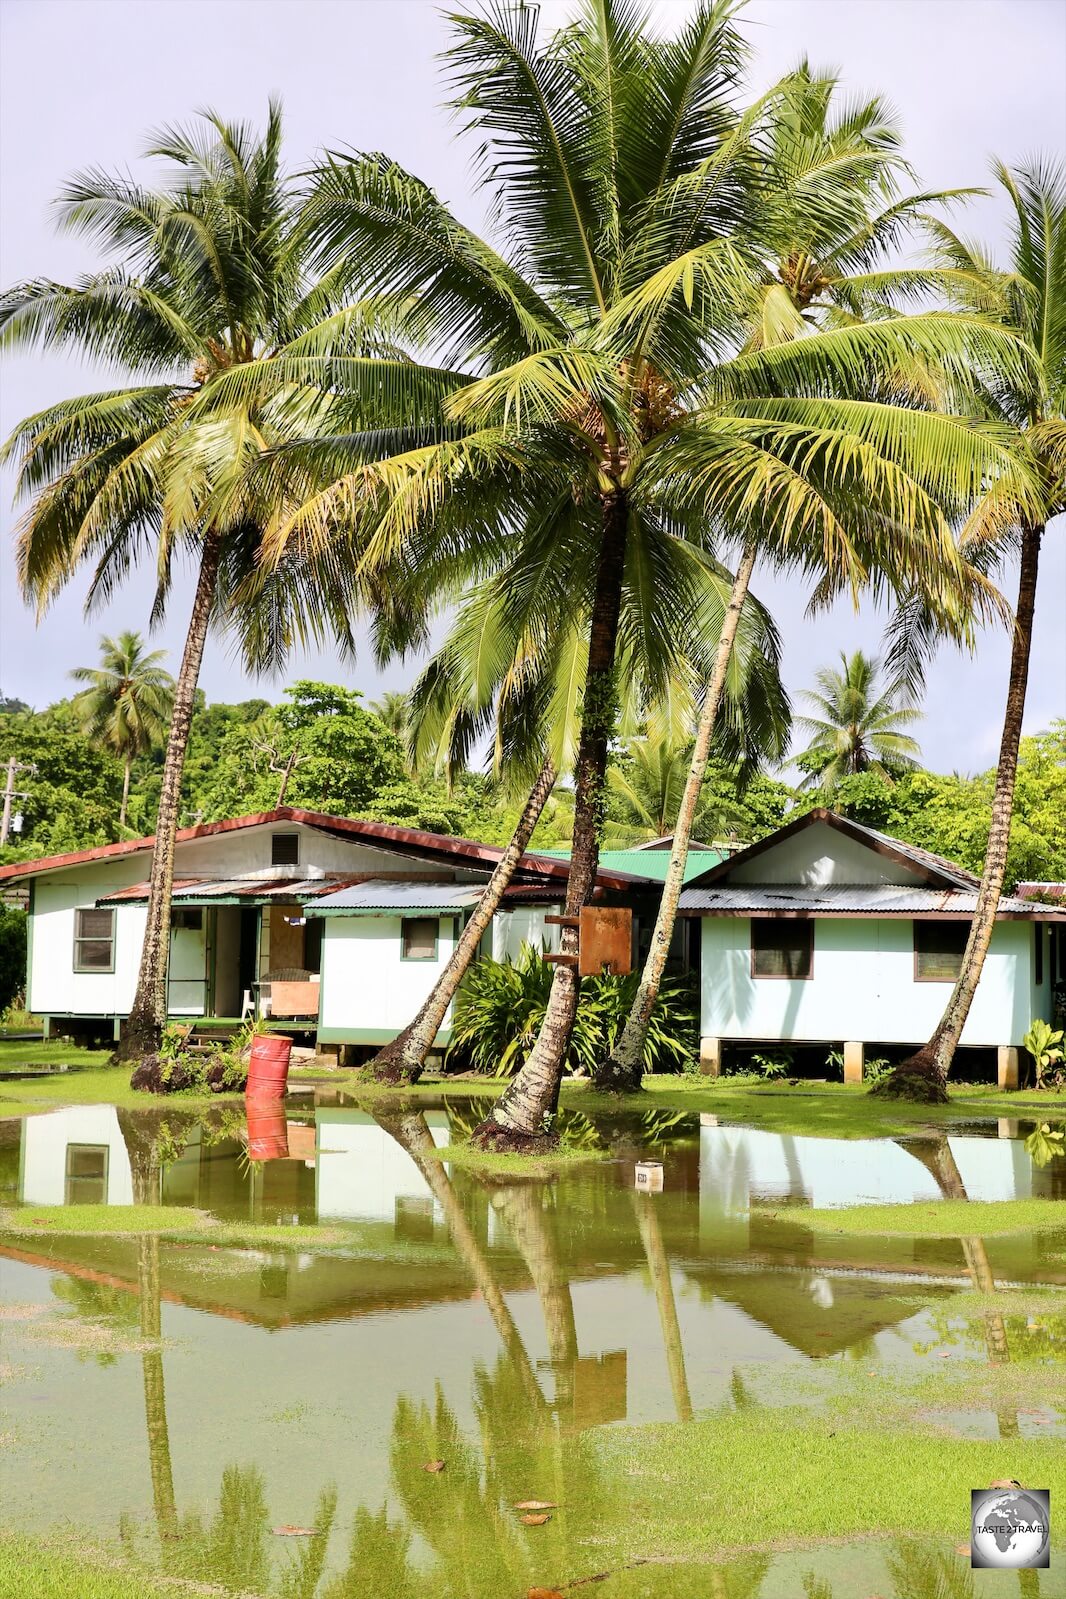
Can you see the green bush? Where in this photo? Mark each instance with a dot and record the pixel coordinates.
(12, 956)
(500, 1005)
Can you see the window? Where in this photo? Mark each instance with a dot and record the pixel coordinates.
(188, 917)
(418, 938)
(94, 941)
(938, 948)
(284, 849)
(86, 1175)
(782, 948)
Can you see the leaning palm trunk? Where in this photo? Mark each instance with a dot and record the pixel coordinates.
(659, 1267)
(148, 1015)
(624, 1068)
(923, 1076)
(518, 1117)
(404, 1059)
(125, 791)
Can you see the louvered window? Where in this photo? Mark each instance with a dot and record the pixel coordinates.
(782, 948)
(94, 941)
(938, 948)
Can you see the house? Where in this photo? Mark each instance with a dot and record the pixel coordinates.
(827, 932)
(339, 926)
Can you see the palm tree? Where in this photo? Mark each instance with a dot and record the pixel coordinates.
(599, 428)
(525, 689)
(393, 709)
(648, 785)
(1030, 299)
(127, 702)
(207, 290)
(833, 178)
(859, 728)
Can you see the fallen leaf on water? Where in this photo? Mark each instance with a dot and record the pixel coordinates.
(534, 1521)
(434, 1465)
(963, 1549)
(295, 1532)
(535, 1504)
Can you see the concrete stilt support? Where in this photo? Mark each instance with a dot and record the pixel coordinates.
(854, 1060)
(711, 1057)
(1007, 1066)
(328, 1055)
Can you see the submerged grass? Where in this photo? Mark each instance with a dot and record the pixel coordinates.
(94, 1085)
(565, 1157)
(940, 1218)
(775, 1477)
(176, 1223)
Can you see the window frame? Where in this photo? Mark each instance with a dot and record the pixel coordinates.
(806, 922)
(68, 1177)
(274, 838)
(436, 938)
(936, 922)
(82, 938)
(1038, 954)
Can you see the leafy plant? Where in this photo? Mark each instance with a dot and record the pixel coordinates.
(772, 1065)
(1044, 1143)
(500, 1006)
(1043, 1043)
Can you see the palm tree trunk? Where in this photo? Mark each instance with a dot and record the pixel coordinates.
(411, 1131)
(404, 1059)
(155, 1401)
(518, 1117)
(148, 1015)
(125, 791)
(659, 1267)
(924, 1075)
(625, 1067)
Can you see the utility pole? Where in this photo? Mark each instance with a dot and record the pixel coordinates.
(14, 767)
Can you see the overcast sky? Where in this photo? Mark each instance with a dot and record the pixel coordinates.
(81, 81)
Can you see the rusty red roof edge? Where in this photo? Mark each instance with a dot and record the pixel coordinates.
(402, 839)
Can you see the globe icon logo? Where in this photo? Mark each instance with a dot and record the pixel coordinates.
(1010, 1528)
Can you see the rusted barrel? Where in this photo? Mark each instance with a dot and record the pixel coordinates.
(268, 1068)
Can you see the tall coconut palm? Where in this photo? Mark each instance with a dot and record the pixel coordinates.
(493, 673)
(859, 729)
(126, 703)
(599, 422)
(1029, 297)
(207, 283)
(832, 178)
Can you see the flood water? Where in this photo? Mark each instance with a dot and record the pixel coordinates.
(186, 1399)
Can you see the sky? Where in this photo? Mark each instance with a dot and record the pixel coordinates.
(83, 81)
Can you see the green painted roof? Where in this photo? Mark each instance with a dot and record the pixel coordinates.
(646, 862)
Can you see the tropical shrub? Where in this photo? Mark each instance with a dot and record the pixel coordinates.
(12, 955)
(500, 1005)
(1045, 1046)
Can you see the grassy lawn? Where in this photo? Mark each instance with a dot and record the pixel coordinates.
(32, 1570)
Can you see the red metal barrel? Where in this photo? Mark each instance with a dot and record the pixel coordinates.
(268, 1136)
(268, 1068)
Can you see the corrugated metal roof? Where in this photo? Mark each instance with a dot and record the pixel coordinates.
(213, 890)
(378, 895)
(651, 864)
(887, 899)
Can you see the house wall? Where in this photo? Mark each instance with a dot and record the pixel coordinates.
(368, 992)
(55, 989)
(818, 856)
(526, 925)
(862, 986)
(248, 849)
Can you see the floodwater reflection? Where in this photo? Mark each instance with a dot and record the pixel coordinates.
(494, 1325)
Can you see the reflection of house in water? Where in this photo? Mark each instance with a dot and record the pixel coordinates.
(74, 1157)
(815, 1292)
